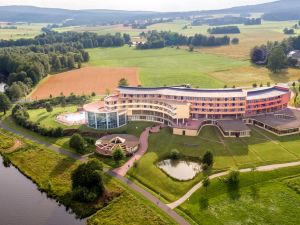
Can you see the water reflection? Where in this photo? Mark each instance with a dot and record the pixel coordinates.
(180, 169)
(23, 204)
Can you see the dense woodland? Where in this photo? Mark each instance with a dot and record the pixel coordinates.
(24, 62)
(23, 67)
(86, 39)
(224, 30)
(226, 20)
(167, 38)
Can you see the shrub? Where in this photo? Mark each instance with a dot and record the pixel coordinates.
(174, 154)
(6, 161)
(87, 181)
(118, 154)
(48, 107)
(208, 159)
(233, 178)
(77, 142)
(206, 182)
(204, 166)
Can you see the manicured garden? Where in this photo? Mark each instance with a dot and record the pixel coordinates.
(260, 198)
(259, 149)
(48, 120)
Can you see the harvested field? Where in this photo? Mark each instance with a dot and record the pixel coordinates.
(85, 81)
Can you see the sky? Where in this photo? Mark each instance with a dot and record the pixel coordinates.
(147, 5)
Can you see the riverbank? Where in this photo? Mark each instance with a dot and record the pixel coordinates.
(51, 172)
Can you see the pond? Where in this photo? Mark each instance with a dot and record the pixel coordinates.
(23, 204)
(180, 169)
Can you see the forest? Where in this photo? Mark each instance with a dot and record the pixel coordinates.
(163, 39)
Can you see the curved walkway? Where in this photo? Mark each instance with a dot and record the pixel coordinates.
(142, 150)
(175, 204)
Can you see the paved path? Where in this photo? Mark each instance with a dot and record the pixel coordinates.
(179, 219)
(199, 185)
(46, 144)
(142, 150)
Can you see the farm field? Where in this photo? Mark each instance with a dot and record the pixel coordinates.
(171, 66)
(84, 81)
(249, 36)
(228, 153)
(22, 31)
(263, 198)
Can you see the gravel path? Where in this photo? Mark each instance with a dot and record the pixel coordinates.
(199, 185)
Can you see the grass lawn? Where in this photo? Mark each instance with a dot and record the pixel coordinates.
(262, 198)
(228, 152)
(48, 120)
(171, 66)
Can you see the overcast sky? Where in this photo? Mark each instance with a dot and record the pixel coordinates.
(149, 5)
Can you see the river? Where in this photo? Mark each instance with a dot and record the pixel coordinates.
(21, 203)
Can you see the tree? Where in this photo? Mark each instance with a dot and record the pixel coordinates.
(277, 60)
(4, 103)
(191, 48)
(118, 154)
(258, 54)
(15, 92)
(235, 41)
(48, 107)
(56, 64)
(206, 182)
(233, 178)
(87, 181)
(123, 82)
(175, 154)
(71, 62)
(108, 42)
(77, 142)
(208, 158)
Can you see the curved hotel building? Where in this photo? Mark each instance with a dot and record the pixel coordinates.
(187, 110)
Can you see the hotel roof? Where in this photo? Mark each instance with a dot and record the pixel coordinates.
(290, 121)
(233, 125)
(268, 92)
(184, 91)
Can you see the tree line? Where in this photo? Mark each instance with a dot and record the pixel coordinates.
(273, 55)
(85, 39)
(224, 30)
(226, 20)
(163, 39)
(23, 67)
